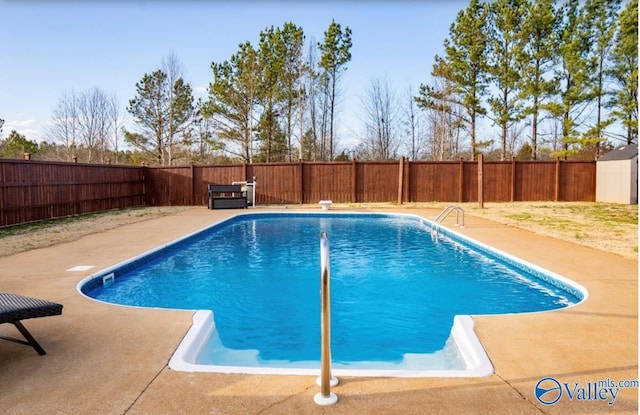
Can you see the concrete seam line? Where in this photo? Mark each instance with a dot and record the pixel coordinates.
(521, 395)
(145, 389)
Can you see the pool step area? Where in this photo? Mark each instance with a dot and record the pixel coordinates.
(462, 341)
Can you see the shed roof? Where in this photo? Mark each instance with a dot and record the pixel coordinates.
(626, 152)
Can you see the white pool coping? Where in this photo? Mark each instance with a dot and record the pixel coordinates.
(476, 361)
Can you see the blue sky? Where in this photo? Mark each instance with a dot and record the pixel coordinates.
(49, 47)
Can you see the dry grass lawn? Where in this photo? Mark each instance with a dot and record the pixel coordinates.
(606, 226)
(42, 234)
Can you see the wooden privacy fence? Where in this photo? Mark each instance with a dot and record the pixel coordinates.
(389, 181)
(35, 190)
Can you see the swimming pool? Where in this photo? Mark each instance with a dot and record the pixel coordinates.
(390, 278)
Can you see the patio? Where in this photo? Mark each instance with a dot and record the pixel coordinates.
(105, 359)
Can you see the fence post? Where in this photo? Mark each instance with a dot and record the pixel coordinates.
(193, 186)
(354, 180)
(407, 181)
(513, 179)
(27, 156)
(480, 181)
(400, 180)
(461, 181)
(301, 166)
(556, 192)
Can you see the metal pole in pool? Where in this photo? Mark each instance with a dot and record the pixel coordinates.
(326, 380)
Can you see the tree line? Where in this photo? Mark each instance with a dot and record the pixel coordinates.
(517, 78)
(569, 68)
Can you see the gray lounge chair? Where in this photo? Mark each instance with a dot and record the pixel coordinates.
(14, 308)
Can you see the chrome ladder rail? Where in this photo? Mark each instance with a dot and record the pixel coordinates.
(326, 380)
(443, 215)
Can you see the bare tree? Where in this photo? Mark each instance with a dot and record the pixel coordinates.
(173, 68)
(414, 141)
(516, 137)
(86, 124)
(116, 116)
(380, 112)
(324, 107)
(64, 127)
(94, 122)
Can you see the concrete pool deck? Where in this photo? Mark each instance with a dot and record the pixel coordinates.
(105, 359)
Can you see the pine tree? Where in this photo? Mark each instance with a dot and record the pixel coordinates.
(601, 23)
(16, 144)
(274, 148)
(444, 113)
(539, 28)
(232, 100)
(336, 52)
(465, 67)
(505, 63)
(292, 88)
(282, 68)
(624, 71)
(162, 110)
(572, 74)
(271, 63)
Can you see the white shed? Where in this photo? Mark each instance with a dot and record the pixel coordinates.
(617, 176)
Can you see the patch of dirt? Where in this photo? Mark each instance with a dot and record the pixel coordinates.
(40, 235)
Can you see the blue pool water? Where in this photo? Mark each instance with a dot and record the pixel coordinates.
(395, 288)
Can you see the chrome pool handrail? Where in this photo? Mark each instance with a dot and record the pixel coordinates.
(443, 215)
(325, 396)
